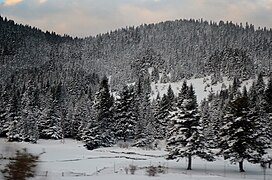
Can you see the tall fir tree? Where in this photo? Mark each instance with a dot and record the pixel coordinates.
(125, 115)
(4, 99)
(268, 95)
(260, 104)
(99, 133)
(268, 109)
(145, 131)
(240, 138)
(185, 138)
(162, 113)
(30, 113)
(50, 124)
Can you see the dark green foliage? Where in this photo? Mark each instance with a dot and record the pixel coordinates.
(183, 93)
(268, 96)
(170, 95)
(145, 127)
(50, 125)
(99, 133)
(241, 136)
(212, 111)
(21, 167)
(162, 114)
(125, 115)
(225, 61)
(185, 136)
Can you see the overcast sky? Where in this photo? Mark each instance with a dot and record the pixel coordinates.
(89, 17)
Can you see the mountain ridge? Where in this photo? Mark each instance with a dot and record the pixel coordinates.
(187, 44)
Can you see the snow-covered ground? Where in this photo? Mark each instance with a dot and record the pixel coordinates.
(71, 161)
(202, 86)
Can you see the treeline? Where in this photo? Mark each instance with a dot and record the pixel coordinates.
(177, 49)
(236, 120)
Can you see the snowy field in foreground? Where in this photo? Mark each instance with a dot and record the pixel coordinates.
(70, 160)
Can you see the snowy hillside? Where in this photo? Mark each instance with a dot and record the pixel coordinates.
(203, 87)
(71, 161)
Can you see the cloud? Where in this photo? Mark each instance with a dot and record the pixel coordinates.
(11, 2)
(90, 17)
(42, 1)
(139, 15)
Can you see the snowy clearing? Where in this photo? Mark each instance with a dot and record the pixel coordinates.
(70, 160)
(203, 87)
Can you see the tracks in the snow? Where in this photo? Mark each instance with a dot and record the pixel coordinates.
(123, 155)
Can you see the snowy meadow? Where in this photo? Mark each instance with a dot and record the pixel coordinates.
(69, 159)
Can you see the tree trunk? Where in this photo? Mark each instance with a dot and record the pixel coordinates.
(241, 166)
(189, 162)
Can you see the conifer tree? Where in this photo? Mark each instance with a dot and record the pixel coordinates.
(259, 104)
(81, 114)
(4, 99)
(99, 133)
(268, 109)
(240, 136)
(170, 95)
(22, 167)
(50, 123)
(162, 112)
(212, 112)
(145, 131)
(30, 114)
(13, 114)
(268, 95)
(185, 138)
(162, 116)
(125, 115)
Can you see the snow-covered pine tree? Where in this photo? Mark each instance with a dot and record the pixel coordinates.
(50, 123)
(268, 99)
(185, 137)
(81, 114)
(144, 133)
(162, 113)
(100, 133)
(171, 95)
(239, 136)
(212, 112)
(234, 91)
(161, 116)
(155, 109)
(261, 105)
(268, 95)
(4, 99)
(13, 117)
(183, 93)
(30, 114)
(125, 115)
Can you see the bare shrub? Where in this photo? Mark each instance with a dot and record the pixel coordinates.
(161, 169)
(124, 145)
(132, 169)
(151, 170)
(126, 170)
